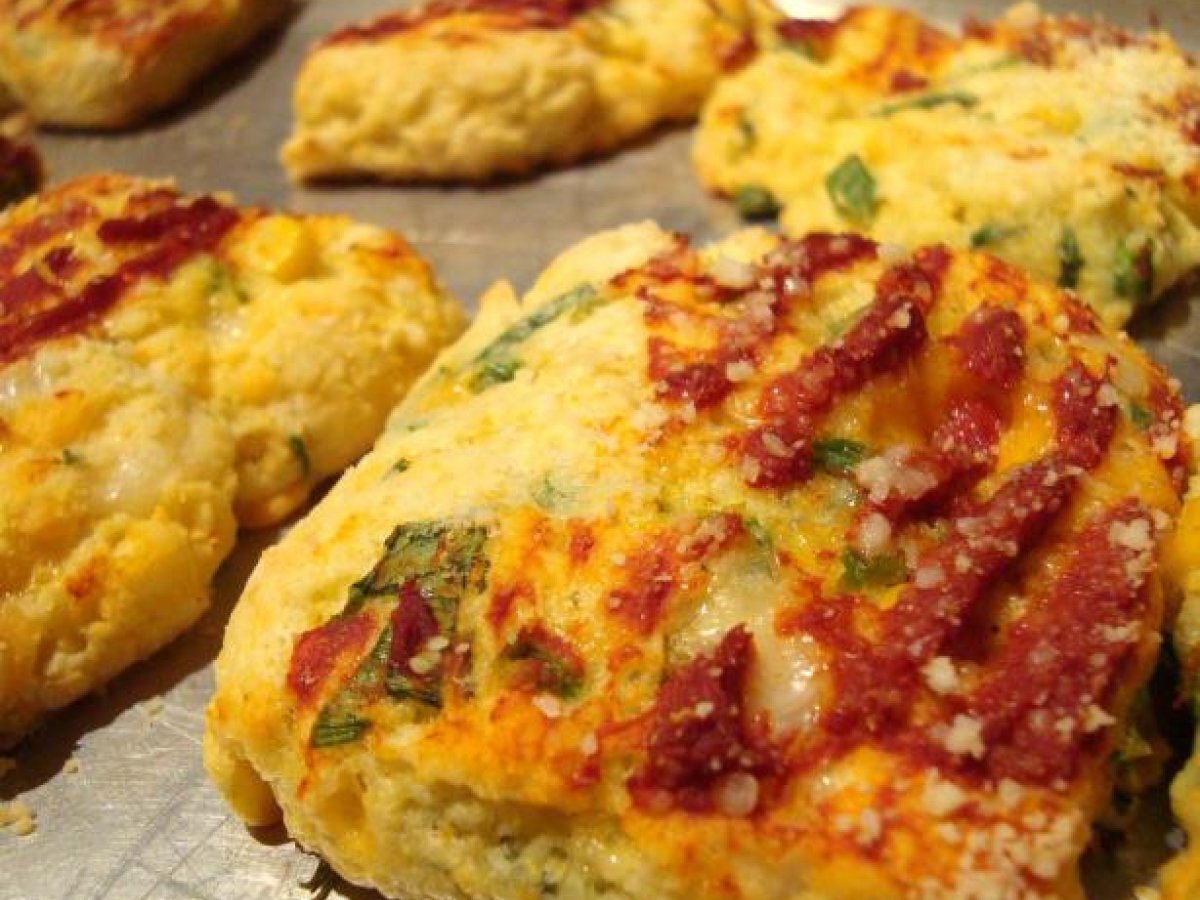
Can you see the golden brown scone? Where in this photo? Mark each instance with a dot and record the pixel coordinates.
(170, 365)
(1064, 145)
(776, 569)
(111, 63)
(472, 89)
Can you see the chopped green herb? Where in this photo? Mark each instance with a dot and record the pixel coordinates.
(838, 455)
(993, 233)
(851, 187)
(801, 48)
(1133, 271)
(747, 130)
(221, 281)
(401, 465)
(559, 670)
(300, 451)
(1140, 416)
(333, 728)
(1070, 260)
(755, 203)
(496, 363)
(930, 101)
(883, 570)
(70, 457)
(764, 542)
(548, 495)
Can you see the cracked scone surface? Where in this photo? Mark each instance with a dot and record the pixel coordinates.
(1064, 145)
(757, 570)
(475, 89)
(111, 63)
(173, 366)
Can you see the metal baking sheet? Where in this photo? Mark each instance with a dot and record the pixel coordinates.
(124, 809)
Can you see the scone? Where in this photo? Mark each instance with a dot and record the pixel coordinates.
(1064, 145)
(111, 63)
(472, 89)
(171, 365)
(801, 568)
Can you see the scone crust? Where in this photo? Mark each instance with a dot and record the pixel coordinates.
(1064, 145)
(111, 63)
(471, 91)
(597, 613)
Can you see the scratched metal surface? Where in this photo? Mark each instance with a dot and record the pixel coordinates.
(139, 818)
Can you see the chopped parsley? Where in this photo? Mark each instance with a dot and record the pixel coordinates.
(851, 187)
(838, 455)
(882, 570)
(335, 727)
(748, 132)
(70, 457)
(755, 203)
(401, 465)
(1140, 416)
(1133, 270)
(930, 101)
(549, 495)
(558, 670)
(300, 452)
(1070, 259)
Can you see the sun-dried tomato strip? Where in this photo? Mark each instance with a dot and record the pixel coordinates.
(317, 652)
(1084, 421)
(991, 345)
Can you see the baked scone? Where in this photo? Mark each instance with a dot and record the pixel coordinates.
(472, 89)
(1064, 145)
(171, 365)
(776, 569)
(111, 63)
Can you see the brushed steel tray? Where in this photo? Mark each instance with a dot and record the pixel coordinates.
(123, 806)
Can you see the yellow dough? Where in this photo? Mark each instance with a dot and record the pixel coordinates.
(477, 89)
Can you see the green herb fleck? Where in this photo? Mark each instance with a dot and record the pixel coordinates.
(497, 363)
(882, 570)
(335, 727)
(749, 134)
(755, 203)
(559, 671)
(1140, 416)
(993, 233)
(838, 455)
(764, 542)
(401, 466)
(70, 457)
(221, 281)
(1133, 271)
(851, 187)
(930, 101)
(300, 451)
(1070, 260)
(549, 495)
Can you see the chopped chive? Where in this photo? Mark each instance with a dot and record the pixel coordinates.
(993, 233)
(851, 187)
(930, 101)
(755, 203)
(70, 457)
(883, 570)
(495, 371)
(401, 465)
(838, 455)
(300, 451)
(1070, 260)
(332, 730)
(1133, 271)
(1140, 416)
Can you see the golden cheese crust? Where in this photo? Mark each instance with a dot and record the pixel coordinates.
(473, 89)
(1066, 146)
(172, 365)
(111, 63)
(779, 568)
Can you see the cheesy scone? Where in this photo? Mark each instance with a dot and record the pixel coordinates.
(1064, 145)
(472, 89)
(111, 63)
(784, 568)
(171, 365)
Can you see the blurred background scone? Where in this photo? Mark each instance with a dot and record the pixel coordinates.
(1062, 144)
(770, 568)
(111, 63)
(172, 364)
(477, 89)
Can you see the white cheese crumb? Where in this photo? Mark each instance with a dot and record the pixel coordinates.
(965, 737)
(873, 534)
(891, 254)
(732, 273)
(589, 745)
(549, 705)
(942, 798)
(1135, 535)
(739, 371)
(941, 675)
(737, 795)
(1095, 718)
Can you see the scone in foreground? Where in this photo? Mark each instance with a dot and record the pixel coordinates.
(111, 63)
(472, 89)
(776, 569)
(171, 367)
(1066, 146)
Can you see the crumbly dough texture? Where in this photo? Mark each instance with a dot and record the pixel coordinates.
(472, 90)
(174, 367)
(455, 676)
(1064, 145)
(111, 63)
